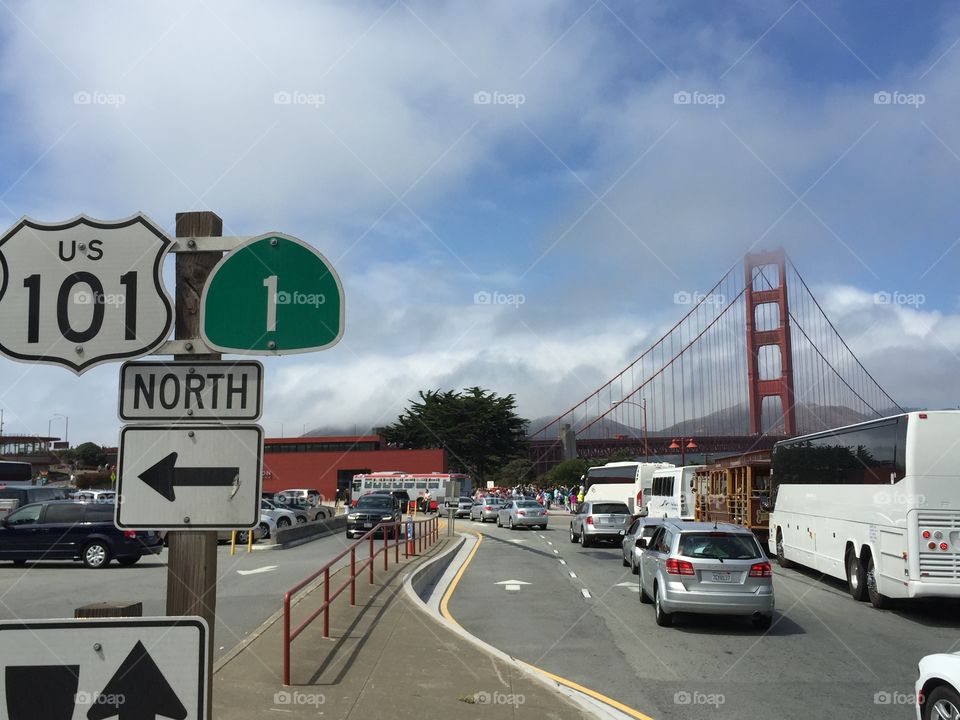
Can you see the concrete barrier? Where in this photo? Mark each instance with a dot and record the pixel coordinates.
(300, 534)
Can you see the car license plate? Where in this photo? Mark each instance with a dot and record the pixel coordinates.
(368, 525)
(721, 577)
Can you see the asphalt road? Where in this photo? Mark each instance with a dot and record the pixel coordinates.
(55, 589)
(580, 617)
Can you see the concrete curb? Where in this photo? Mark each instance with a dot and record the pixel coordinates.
(431, 607)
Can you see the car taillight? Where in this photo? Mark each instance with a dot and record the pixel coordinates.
(130, 534)
(944, 546)
(679, 567)
(925, 534)
(589, 520)
(520, 513)
(487, 507)
(761, 570)
(640, 498)
(931, 546)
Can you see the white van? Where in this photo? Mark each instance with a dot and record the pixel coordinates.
(627, 482)
(672, 493)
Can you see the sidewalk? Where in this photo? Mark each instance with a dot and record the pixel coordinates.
(384, 657)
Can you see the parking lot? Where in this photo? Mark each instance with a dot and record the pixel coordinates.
(575, 612)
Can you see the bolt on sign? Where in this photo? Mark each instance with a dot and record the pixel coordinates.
(83, 292)
(273, 295)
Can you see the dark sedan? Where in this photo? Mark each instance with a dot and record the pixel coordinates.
(72, 530)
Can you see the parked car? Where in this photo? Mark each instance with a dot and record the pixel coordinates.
(706, 568)
(72, 530)
(464, 504)
(259, 533)
(284, 518)
(597, 520)
(304, 496)
(485, 509)
(522, 513)
(370, 511)
(312, 512)
(301, 517)
(26, 494)
(937, 687)
(635, 539)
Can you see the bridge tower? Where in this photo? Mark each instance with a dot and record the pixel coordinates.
(766, 289)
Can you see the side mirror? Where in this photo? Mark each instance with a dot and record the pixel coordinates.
(623, 532)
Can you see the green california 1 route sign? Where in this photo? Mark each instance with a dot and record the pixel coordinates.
(273, 295)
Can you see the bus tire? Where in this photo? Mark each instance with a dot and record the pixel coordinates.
(877, 599)
(856, 577)
(781, 557)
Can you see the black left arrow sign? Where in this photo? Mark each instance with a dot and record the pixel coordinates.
(138, 690)
(164, 476)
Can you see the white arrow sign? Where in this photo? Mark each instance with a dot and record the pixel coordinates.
(83, 292)
(257, 571)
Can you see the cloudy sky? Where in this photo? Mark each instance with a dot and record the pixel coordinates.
(586, 160)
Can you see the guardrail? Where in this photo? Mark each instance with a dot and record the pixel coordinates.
(425, 533)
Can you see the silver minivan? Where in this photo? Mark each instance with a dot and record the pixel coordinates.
(708, 568)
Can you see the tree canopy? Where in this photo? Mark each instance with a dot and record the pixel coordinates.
(480, 430)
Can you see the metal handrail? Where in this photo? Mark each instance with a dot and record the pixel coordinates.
(419, 539)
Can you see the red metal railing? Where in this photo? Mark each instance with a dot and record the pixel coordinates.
(425, 533)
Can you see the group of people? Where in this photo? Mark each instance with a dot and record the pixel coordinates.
(564, 497)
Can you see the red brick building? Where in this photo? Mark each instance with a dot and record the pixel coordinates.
(328, 463)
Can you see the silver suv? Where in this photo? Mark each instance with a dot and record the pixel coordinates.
(709, 568)
(599, 520)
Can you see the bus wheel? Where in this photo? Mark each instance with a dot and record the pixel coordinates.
(781, 558)
(856, 577)
(879, 601)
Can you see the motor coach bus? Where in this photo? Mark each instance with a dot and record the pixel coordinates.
(422, 487)
(627, 482)
(876, 504)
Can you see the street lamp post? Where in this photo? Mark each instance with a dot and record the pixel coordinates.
(66, 426)
(641, 404)
(682, 447)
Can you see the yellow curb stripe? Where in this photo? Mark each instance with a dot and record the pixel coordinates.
(556, 678)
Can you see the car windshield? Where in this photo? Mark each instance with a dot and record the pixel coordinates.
(375, 503)
(719, 546)
(610, 509)
(528, 504)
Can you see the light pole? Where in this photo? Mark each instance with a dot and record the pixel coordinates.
(66, 426)
(641, 404)
(690, 445)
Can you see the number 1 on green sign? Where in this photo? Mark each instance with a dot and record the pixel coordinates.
(270, 283)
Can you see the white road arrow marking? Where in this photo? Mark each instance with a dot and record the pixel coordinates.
(585, 593)
(626, 584)
(257, 571)
(511, 585)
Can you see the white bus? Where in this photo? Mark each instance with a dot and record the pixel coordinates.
(672, 493)
(876, 504)
(627, 482)
(421, 487)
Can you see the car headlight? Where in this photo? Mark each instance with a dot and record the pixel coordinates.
(386, 517)
(352, 516)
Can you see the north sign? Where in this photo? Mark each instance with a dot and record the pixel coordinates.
(123, 668)
(201, 477)
(191, 391)
(83, 292)
(273, 295)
